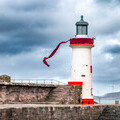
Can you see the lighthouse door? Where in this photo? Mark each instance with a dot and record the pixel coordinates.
(78, 94)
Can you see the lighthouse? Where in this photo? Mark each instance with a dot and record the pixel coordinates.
(81, 77)
(81, 74)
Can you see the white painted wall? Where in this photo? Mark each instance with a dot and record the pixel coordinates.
(81, 62)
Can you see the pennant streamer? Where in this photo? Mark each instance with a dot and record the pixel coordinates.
(45, 58)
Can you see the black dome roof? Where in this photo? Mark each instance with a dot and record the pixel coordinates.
(81, 22)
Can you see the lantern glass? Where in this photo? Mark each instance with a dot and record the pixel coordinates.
(81, 30)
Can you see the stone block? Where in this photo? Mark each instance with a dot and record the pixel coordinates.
(5, 78)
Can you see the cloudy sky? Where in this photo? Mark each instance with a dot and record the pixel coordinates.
(31, 29)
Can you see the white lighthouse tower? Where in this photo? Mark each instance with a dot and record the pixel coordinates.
(81, 61)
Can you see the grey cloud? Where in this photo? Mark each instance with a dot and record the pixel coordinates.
(24, 42)
(105, 69)
(104, 1)
(106, 26)
(105, 19)
(8, 24)
(30, 65)
(25, 31)
(108, 2)
(108, 82)
(30, 5)
(113, 49)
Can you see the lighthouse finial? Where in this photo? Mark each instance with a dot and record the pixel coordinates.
(82, 17)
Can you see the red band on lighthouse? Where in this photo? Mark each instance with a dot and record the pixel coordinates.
(87, 101)
(91, 68)
(82, 40)
(91, 91)
(91, 45)
(75, 83)
(45, 58)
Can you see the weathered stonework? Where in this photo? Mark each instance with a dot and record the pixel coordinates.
(110, 112)
(53, 112)
(28, 93)
(64, 94)
(33, 93)
(16, 92)
(5, 78)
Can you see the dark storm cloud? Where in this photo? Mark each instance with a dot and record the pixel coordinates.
(107, 2)
(104, 1)
(26, 26)
(15, 22)
(105, 20)
(23, 40)
(113, 49)
(23, 43)
(8, 24)
(30, 5)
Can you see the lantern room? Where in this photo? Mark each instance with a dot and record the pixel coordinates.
(81, 27)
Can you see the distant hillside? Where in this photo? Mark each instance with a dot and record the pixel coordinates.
(114, 95)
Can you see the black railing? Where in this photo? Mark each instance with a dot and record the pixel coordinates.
(39, 81)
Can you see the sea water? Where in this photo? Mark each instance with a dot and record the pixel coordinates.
(105, 101)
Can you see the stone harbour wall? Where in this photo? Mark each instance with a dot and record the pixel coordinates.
(31, 93)
(50, 112)
(16, 92)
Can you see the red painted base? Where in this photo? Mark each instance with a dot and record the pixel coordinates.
(87, 101)
(75, 83)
